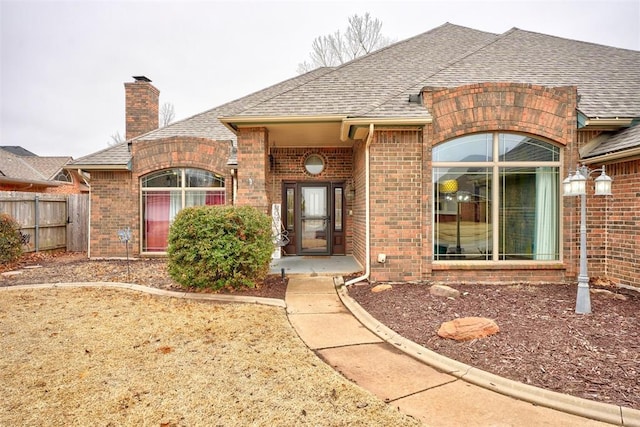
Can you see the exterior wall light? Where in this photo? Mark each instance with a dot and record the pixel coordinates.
(576, 186)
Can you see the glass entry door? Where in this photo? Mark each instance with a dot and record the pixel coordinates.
(314, 219)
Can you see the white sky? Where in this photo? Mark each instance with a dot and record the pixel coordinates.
(63, 64)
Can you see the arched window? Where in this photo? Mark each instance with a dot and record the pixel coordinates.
(496, 198)
(63, 176)
(167, 192)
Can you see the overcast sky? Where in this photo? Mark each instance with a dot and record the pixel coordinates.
(64, 63)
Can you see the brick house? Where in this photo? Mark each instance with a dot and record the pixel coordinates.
(440, 157)
(21, 170)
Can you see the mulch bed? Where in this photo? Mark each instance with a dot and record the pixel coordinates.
(542, 341)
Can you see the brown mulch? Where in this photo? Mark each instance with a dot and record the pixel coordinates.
(66, 267)
(542, 341)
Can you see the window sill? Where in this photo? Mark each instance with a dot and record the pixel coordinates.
(497, 265)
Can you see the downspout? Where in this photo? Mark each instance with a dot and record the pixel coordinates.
(367, 214)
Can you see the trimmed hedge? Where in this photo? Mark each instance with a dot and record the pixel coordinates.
(219, 247)
(10, 241)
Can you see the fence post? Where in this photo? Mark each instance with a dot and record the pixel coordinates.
(37, 223)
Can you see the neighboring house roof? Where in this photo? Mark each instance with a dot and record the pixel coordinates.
(30, 168)
(378, 85)
(17, 150)
(620, 142)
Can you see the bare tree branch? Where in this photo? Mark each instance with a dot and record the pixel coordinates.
(167, 114)
(363, 36)
(116, 139)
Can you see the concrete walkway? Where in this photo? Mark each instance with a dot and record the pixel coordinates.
(402, 373)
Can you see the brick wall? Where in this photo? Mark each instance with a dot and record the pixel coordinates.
(396, 195)
(115, 195)
(141, 106)
(613, 245)
(114, 206)
(253, 162)
(487, 107)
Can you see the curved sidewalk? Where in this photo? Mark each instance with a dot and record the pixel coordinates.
(432, 388)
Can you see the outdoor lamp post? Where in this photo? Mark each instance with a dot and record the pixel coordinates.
(576, 185)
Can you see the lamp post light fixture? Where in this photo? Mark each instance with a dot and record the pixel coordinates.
(576, 185)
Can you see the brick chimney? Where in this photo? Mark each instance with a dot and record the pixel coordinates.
(141, 107)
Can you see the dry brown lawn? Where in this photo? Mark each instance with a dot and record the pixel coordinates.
(101, 356)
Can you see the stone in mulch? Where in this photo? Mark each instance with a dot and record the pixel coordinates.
(381, 288)
(468, 328)
(608, 294)
(444, 291)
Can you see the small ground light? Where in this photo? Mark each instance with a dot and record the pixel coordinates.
(125, 236)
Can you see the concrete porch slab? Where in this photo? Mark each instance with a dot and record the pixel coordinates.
(331, 330)
(384, 370)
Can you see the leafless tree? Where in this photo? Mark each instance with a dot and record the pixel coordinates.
(167, 114)
(362, 36)
(116, 139)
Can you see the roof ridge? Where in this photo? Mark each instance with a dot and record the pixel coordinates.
(424, 77)
(359, 58)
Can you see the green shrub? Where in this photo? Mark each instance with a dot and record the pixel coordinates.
(219, 247)
(10, 242)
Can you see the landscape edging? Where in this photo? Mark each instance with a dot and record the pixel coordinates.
(609, 413)
(157, 291)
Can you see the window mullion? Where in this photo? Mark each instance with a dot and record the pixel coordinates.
(495, 196)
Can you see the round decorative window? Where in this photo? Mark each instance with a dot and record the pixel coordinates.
(314, 164)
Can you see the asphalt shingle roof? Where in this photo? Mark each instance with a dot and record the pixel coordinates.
(364, 84)
(623, 140)
(608, 78)
(30, 167)
(379, 84)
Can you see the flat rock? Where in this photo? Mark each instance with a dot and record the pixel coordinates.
(444, 291)
(608, 294)
(381, 288)
(468, 328)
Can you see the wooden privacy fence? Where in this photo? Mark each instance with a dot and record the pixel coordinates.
(49, 221)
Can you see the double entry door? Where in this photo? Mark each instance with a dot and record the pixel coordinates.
(313, 215)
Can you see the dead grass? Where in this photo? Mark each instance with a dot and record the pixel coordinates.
(115, 357)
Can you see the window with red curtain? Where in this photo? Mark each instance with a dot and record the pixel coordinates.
(167, 192)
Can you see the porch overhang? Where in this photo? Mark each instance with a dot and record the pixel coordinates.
(358, 128)
(318, 131)
(293, 131)
(610, 123)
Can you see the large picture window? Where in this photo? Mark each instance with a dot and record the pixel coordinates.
(496, 198)
(166, 192)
